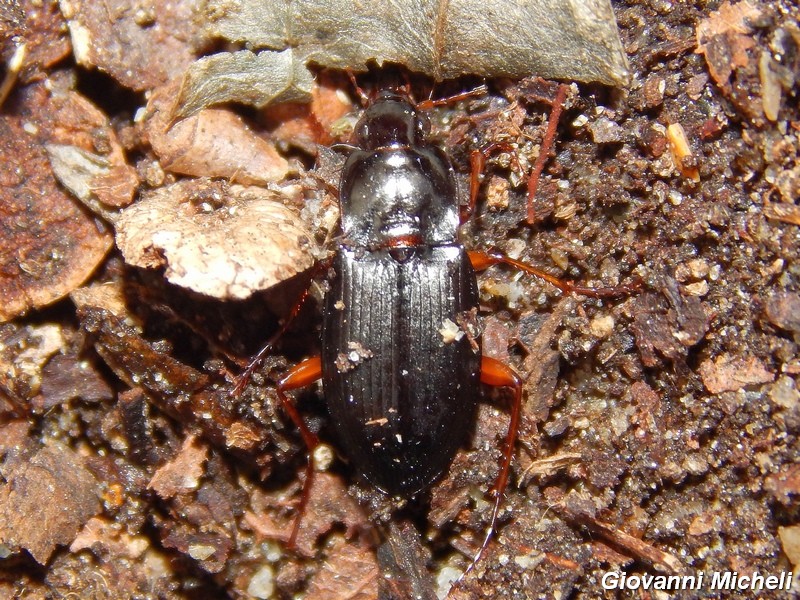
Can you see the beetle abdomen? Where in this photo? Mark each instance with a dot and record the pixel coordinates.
(401, 393)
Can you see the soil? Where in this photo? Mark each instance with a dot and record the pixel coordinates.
(659, 431)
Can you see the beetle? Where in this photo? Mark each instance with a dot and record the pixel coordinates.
(401, 392)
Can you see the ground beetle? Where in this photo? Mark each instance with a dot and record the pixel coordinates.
(401, 391)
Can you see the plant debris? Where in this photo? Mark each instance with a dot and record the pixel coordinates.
(440, 40)
(223, 241)
(52, 487)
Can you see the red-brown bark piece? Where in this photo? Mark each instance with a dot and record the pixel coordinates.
(210, 143)
(46, 501)
(140, 45)
(134, 360)
(167, 381)
(48, 245)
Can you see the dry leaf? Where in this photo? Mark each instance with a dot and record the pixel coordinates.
(572, 39)
(250, 243)
(210, 143)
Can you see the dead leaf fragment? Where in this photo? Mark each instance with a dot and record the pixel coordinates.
(329, 504)
(441, 39)
(252, 78)
(106, 537)
(728, 373)
(349, 571)
(181, 474)
(723, 39)
(55, 488)
(210, 143)
(251, 243)
(48, 244)
(444, 40)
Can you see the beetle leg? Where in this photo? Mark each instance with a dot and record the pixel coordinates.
(497, 374)
(244, 377)
(483, 260)
(301, 375)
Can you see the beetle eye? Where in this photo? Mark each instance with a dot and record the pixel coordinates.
(362, 132)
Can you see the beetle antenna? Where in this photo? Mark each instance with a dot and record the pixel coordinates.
(362, 95)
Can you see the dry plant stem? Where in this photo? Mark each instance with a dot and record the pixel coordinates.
(544, 154)
(14, 68)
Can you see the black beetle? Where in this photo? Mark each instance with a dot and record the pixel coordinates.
(399, 379)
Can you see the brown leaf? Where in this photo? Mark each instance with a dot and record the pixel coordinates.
(210, 143)
(443, 40)
(251, 78)
(48, 245)
(46, 501)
